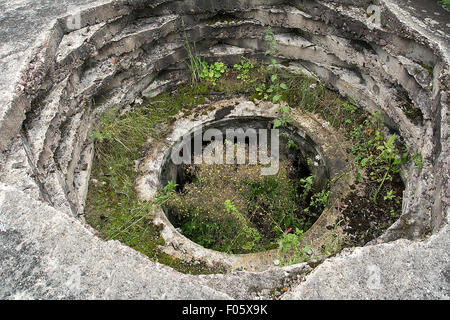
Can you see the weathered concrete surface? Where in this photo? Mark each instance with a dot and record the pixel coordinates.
(23, 26)
(45, 254)
(401, 269)
(428, 15)
(123, 49)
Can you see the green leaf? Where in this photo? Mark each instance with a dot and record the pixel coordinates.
(284, 109)
(358, 175)
(277, 123)
(364, 162)
(291, 144)
(283, 86)
(274, 77)
(286, 120)
(276, 98)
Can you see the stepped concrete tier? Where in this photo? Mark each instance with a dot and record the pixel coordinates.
(64, 62)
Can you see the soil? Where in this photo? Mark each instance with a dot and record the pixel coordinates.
(364, 220)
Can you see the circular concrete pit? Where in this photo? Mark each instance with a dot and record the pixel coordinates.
(63, 72)
(321, 153)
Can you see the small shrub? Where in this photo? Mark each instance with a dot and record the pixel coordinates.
(379, 157)
(307, 184)
(273, 90)
(291, 243)
(213, 72)
(243, 69)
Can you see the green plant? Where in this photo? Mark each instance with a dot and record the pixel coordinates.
(243, 69)
(212, 72)
(388, 157)
(100, 136)
(250, 234)
(273, 90)
(392, 212)
(418, 160)
(284, 119)
(349, 107)
(445, 3)
(289, 241)
(264, 92)
(290, 248)
(194, 61)
(307, 184)
(320, 199)
(198, 68)
(376, 155)
(166, 192)
(389, 195)
(292, 145)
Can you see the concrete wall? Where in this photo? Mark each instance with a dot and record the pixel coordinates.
(112, 52)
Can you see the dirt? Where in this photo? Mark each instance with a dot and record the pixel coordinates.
(364, 220)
